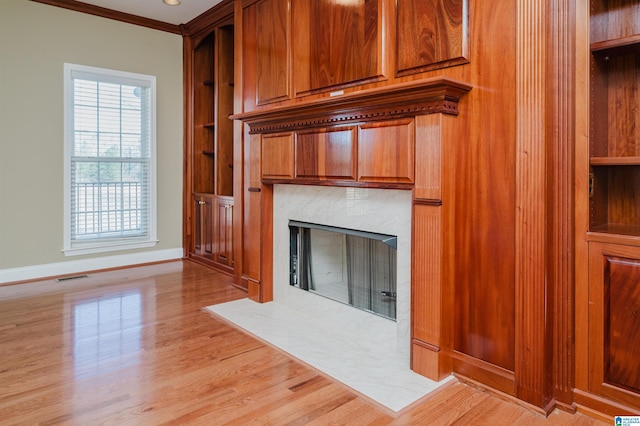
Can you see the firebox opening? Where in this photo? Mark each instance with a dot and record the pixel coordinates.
(354, 267)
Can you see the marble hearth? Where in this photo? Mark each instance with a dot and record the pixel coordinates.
(366, 352)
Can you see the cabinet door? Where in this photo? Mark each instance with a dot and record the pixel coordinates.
(614, 322)
(272, 53)
(277, 156)
(203, 224)
(326, 154)
(431, 34)
(386, 151)
(224, 232)
(336, 44)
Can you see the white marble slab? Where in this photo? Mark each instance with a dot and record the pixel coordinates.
(386, 211)
(375, 370)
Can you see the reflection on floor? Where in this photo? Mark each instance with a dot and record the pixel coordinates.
(368, 368)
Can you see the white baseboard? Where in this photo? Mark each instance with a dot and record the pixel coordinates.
(75, 266)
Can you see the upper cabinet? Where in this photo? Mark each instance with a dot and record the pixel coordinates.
(615, 124)
(272, 37)
(336, 44)
(212, 140)
(431, 34)
(293, 50)
(209, 65)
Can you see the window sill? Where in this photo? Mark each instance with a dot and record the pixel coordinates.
(89, 248)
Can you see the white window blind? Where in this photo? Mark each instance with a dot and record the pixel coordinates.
(109, 159)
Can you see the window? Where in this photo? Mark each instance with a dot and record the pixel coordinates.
(109, 160)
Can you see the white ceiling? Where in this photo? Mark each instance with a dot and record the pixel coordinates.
(156, 9)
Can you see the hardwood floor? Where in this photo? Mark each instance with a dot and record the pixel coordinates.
(133, 347)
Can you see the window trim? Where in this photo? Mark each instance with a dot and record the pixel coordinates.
(122, 243)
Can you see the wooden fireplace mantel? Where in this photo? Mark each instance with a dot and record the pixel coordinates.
(394, 136)
(427, 96)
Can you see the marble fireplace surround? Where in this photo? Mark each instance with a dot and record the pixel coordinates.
(386, 211)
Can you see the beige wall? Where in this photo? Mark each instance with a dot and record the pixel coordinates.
(35, 41)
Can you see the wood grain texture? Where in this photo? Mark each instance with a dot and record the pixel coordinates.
(278, 156)
(273, 41)
(561, 115)
(431, 34)
(252, 213)
(326, 153)
(533, 360)
(204, 228)
(203, 114)
(224, 231)
(484, 196)
(581, 200)
(429, 96)
(622, 322)
(614, 342)
(426, 309)
(339, 49)
(623, 131)
(386, 151)
(223, 101)
(428, 157)
(168, 362)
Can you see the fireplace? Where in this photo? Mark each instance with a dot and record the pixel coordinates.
(384, 214)
(350, 266)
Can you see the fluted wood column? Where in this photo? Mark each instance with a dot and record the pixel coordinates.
(562, 134)
(533, 325)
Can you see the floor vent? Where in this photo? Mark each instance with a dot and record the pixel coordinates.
(73, 277)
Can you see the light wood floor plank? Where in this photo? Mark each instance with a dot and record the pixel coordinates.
(134, 347)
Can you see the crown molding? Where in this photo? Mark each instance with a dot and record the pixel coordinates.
(113, 14)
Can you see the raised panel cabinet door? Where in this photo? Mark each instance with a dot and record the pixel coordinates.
(277, 156)
(224, 236)
(326, 154)
(614, 322)
(386, 151)
(272, 54)
(203, 224)
(431, 34)
(336, 44)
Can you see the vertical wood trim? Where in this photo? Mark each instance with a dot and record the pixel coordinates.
(187, 173)
(238, 146)
(533, 344)
(562, 133)
(582, 195)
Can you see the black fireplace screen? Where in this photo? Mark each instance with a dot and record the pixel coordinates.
(350, 266)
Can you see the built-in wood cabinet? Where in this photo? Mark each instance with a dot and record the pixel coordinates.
(209, 134)
(224, 231)
(328, 153)
(270, 30)
(278, 156)
(204, 218)
(385, 151)
(431, 35)
(356, 94)
(336, 44)
(614, 315)
(376, 152)
(608, 298)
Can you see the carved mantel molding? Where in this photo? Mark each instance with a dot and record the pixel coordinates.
(429, 96)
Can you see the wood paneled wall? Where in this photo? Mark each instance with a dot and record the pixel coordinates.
(504, 229)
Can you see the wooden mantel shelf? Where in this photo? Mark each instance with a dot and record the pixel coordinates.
(429, 96)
